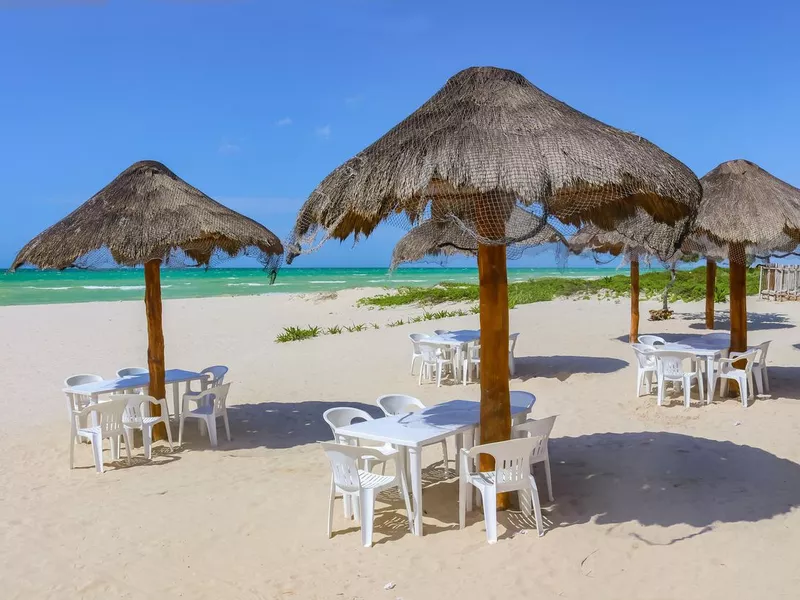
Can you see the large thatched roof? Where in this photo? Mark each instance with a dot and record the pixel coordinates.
(148, 212)
(744, 204)
(436, 238)
(487, 140)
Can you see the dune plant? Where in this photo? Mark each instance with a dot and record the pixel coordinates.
(293, 334)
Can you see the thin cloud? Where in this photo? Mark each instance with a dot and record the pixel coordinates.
(284, 122)
(323, 132)
(229, 148)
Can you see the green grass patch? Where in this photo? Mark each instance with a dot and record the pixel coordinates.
(689, 286)
(293, 334)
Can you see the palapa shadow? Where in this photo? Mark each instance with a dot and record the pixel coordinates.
(755, 321)
(563, 367)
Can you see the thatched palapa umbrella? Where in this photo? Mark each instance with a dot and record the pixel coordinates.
(747, 210)
(622, 242)
(486, 142)
(149, 216)
(436, 238)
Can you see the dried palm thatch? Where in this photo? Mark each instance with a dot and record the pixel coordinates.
(146, 213)
(744, 206)
(488, 140)
(447, 237)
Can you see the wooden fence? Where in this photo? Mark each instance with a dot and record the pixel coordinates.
(779, 282)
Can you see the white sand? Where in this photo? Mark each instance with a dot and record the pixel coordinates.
(650, 502)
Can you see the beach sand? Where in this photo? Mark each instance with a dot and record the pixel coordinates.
(650, 502)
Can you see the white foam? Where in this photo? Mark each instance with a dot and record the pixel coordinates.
(125, 288)
(247, 284)
(329, 281)
(36, 287)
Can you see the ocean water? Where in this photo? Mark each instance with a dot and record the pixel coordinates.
(53, 287)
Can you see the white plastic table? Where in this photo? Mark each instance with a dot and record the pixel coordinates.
(120, 384)
(457, 340)
(709, 346)
(411, 431)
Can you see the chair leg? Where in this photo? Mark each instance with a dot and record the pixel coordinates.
(97, 450)
(462, 502)
(537, 507)
(413, 360)
(639, 380)
(330, 508)
(367, 502)
(511, 365)
(227, 425)
(687, 390)
(421, 370)
(439, 367)
(180, 429)
(169, 434)
(490, 513)
(549, 479)
(147, 433)
(750, 387)
(765, 375)
(759, 381)
(113, 445)
(72, 441)
(211, 424)
(127, 433)
(444, 454)
(661, 385)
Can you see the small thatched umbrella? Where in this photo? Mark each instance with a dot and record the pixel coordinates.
(622, 242)
(749, 211)
(437, 238)
(488, 141)
(146, 216)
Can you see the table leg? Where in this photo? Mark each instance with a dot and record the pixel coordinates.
(469, 439)
(416, 487)
(710, 378)
(175, 400)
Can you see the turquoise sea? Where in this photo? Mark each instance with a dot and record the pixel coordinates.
(53, 287)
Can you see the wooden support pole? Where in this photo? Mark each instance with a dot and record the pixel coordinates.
(155, 339)
(738, 302)
(633, 337)
(711, 284)
(495, 398)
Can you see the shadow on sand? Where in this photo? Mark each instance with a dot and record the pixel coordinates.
(650, 478)
(563, 367)
(755, 321)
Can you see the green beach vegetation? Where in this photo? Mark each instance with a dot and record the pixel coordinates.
(689, 286)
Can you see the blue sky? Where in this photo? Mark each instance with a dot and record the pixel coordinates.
(255, 102)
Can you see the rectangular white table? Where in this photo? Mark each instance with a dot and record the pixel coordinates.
(709, 346)
(411, 431)
(121, 384)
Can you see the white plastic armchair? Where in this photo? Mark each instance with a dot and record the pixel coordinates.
(138, 416)
(512, 344)
(416, 353)
(652, 340)
(398, 404)
(472, 361)
(351, 481)
(215, 377)
(435, 359)
(742, 376)
(512, 473)
(681, 369)
(539, 430)
(211, 405)
(130, 371)
(760, 368)
(645, 367)
(77, 402)
(109, 426)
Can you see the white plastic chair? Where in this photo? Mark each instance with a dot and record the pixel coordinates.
(744, 377)
(350, 481)
(138, 416)
(651, 340)
(512, 344)
(211, 405)
(645, 367)
(215, 377)
(472, 360)
(434, 360)
(760, 368)
(398, 404)
(681, 368)
(512, 473)
(77, 402)
(416, 353)
(109, 426)
(539, 429)
(441, 331)
(130, 371)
